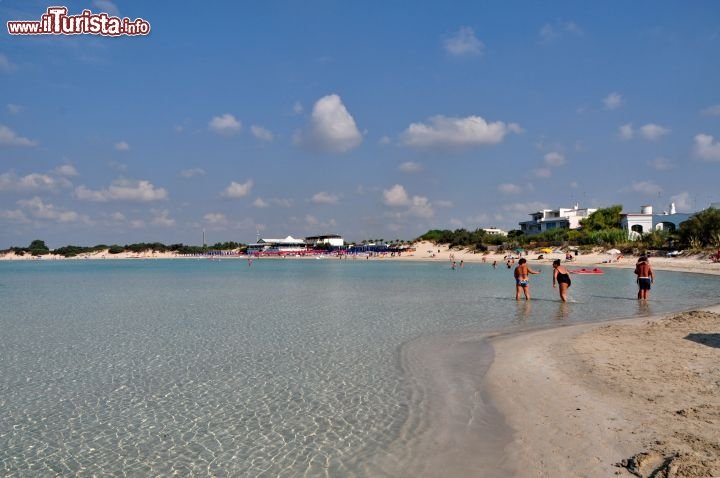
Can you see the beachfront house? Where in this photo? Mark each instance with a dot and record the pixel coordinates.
(551, 219)
(333, 240)
(287, 245)
(638, 223)
(494, 231)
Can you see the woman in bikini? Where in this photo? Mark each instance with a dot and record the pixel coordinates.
(561, 277)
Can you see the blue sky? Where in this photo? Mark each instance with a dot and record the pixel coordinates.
(366, 119)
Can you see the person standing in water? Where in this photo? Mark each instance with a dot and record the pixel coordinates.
(561, 278)
(645, 277)
(522, 279)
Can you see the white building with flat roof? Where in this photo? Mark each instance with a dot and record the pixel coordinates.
(289, 244)
(494, 231)
(551, 219)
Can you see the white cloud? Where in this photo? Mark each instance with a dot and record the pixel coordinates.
(237, 190)
(9, 138)
(192, 172)
(123, 190)
(225, 124)
(508, 188)
(311, 220)
(418, 206)
(5, 64)
(542, 172)
(554, 159)
(464, 42)
(574, 184)
(14, 109)
(297, 108)
(682, 201)
(525, 207)
(661, 164)
(707, 148)
(215, 218)
(410, 167)
(385, 140)
(613, 101)
(261, 133)
(325, 198)
(32, 182)
(443, 203)
(260, 203)
(122, 146)
(331, 130)
(713, 110)
(653, 132)
(67, 170)
(396, 196)
(40, 210)
(161, 217)
(281, 202)
(626, 132)
(107, 6)
(456, 133)
(648, 188)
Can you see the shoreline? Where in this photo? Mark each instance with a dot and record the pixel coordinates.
(579, 407)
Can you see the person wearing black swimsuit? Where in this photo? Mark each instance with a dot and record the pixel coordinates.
(561, 277)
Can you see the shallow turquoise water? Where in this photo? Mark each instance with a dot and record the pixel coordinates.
(282, 368)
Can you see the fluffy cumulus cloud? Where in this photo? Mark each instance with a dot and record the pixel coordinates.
(332, 128)
(417, 206)
(34, 182)
(122, 146)
(8, 137)
(647, 188)
(463, 42)
(67, 170)
(653, 132)
(14, 109)
(554, 159)
(707, 148)
(225, 124)
(442, 132)
(161, 217)
(238, 190)
(410, 167)
(508, 188)
(41, 210)
(260, 203)
(613, 101)
(261, 133)
(543, 173)
(325, 198)
(123, 190)
(192, 173)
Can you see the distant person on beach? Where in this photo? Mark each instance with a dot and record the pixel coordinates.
(494, 264)
(561, 277)
(645, 277)
(522, 279)
(462, 264)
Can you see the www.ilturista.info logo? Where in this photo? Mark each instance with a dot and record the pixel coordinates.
(56, 21)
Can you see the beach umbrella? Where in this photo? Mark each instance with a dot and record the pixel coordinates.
(546, 250)
(612, 252)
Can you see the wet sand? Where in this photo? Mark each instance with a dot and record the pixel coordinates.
(637, 397)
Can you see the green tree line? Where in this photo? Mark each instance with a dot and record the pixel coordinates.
(39, 248)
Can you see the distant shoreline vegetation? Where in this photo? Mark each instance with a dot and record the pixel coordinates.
(600, 229)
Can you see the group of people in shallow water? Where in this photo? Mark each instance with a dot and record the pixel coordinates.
(561, 278)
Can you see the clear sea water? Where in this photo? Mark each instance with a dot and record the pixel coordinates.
(282, 368)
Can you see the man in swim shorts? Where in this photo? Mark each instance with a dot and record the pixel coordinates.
(645, 277)
(522, 279)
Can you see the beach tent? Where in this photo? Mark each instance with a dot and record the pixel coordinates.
(613, 252)
(546, 250)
